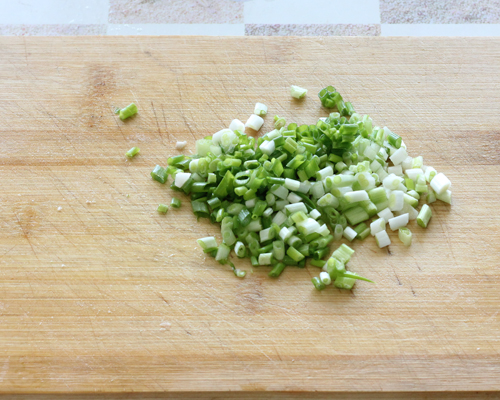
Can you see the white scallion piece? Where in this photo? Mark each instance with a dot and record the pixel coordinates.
(322, 174)
(382, 239)
(349, 233)
(180, 145)
(281, 192)
(297, 92)
(399, 221)
(256, 226)
(315, 214)
(281, 204)
(386, 214)
(407, 163)
(266, 234)
(254, 122)
(260, 109)
(396, 170)
(207, 243)
(268, 147)
(325, 278)
(294, 198)
(414, 173)
(305, 187)
(328, 200)
(279, 218)
(446, 196)
(285, 234)
(237, 125)
(181, 178)
(396, 200)
(292, 184)
(265, 258)
(399, 156)
(222, 252)
(429, 174)
(251, 203)
(358, 195)
(440, 184)
(308, 226)
(377, 226)
(267, 212)
(392, 182)
(296, 207)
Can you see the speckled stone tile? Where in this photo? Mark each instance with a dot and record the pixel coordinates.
(312, 30)
(175, 11)
(439, 11)
(52, 30)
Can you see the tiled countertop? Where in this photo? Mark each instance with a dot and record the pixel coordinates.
(251, 17)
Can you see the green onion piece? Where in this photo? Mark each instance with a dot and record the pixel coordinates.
(394, 139)
(424, 216)
(344, 283)
(277, 270)
(239, 273)
(279, 122)
(128, 111)
(356, 215)
(244, 217)
(362, 231)
(254, 261)
(175, 203)
(317, 263)
(159, 174)
(405, 236)
(214, 203)
(343, 253)
(239, 249)
(222, 252)
(132, 152)
(260, 109)
(318, 284)
(297, 92)
(294, 254)
(200, 209)
(162, 208)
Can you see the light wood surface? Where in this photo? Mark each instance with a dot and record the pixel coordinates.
(106, 295)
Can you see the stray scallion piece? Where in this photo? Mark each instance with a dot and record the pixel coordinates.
(162, 208)
(133, 152)
(424, 216)
(260, 109)
(405, 236)
(281, 198)
(180, 145)
(297, 92)
(159, 174)
(128, 111)
(175, 203)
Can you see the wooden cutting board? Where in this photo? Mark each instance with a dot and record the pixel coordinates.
(98, 292)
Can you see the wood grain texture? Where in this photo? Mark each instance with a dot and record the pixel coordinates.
(108, 296)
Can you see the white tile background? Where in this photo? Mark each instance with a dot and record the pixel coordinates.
(312, 12)
(62, 17)
(54, 12)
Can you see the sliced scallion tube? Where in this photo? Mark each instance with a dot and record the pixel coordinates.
(133, 152)
(297, 92)
(424, 216)
(128, 111)
(405, 236)
(162, 208)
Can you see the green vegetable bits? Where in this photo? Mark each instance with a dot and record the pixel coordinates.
(282, 198)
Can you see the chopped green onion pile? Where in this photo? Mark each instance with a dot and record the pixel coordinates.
(282, 198)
